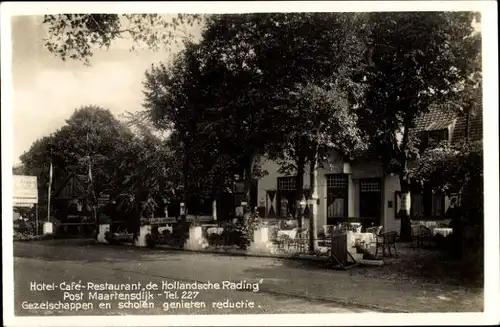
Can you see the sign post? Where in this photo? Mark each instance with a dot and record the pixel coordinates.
(25, 191)
(26, 194)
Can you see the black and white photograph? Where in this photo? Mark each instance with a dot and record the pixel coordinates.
(253, 163)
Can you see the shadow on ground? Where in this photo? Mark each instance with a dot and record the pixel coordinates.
(85, 250)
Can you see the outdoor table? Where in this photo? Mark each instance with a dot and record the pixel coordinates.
(215, 230)
(291, 233)
(428, 224)
(365, 238)
(443, 231)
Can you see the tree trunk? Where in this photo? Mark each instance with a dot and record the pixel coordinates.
(313, 209)
(185, 197)
(247, 186)
(137, 220)
(299, 188)
(404, 212)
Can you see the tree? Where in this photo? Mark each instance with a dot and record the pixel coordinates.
(75, 36)
(323, 50)
(210, 93)
(331, 128)
(267, 58)
(249, 108)
(35, 162)
(416, 60)
(241, 104)
(174, 101)
(121, 161)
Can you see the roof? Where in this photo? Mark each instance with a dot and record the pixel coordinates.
(475, 127)
(70, 186)
(435, 119)
(438, 119)
(442, 118)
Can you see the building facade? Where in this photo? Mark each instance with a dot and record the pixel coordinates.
(362, 191)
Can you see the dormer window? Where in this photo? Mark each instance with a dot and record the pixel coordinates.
(433, 138)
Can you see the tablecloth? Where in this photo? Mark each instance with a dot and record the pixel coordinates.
(443, 231)
(366, 238)
(215, 230)
(291, 233)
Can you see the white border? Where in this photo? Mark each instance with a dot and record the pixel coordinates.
(490, 71)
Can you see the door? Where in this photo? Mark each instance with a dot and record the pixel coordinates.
(337, 198)
(286, 197)
(370, 201)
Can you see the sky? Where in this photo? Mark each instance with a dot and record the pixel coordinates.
(46, 90)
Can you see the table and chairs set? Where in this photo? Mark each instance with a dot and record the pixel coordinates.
(373, 238)
(425, 233)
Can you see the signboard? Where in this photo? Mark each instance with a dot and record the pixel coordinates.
(173, 220)
(25, 193)
(191, 218)
(159, 221)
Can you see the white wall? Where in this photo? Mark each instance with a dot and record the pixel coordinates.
(390, 222)
(269, 182)
(390, 185)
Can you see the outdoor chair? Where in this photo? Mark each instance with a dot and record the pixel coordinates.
(375, 230)
(422, 235)
(387, 241)
(300, 241)
(284, 240)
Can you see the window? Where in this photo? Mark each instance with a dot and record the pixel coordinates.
(337, 198)
(427, 205)
(336, 181)
(285, 196)
(286, 183)
(432, 138)
(437, 205)
(417, 205)
(370, 185)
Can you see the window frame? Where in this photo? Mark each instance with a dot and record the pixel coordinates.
(428, 205)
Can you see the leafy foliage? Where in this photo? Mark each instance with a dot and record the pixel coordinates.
(450, 168)
(75, 36)
(290, 85)
(417, 60)
(122, 162)
(458, 170)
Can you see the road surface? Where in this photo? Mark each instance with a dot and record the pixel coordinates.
(69, 278)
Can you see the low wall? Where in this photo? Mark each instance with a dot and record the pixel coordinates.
(101, 235)
(196, 241)
(142, 237)
(48, 228)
